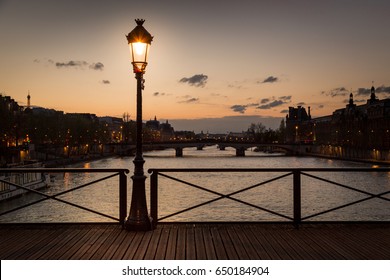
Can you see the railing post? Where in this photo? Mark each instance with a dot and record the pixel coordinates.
(297, 197)
(122, 197)
(154, 198)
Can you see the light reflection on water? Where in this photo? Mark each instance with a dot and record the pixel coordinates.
(173, 196)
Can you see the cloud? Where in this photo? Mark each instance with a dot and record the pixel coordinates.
(272, 104)
(340, 91)
(285, 111)
(198, 80)
(190, 100)
(265, 100)
(367, 91)
(71, 64)
(75, 64)
(286, 98)
(268, 103)
(236, 86)
(224, 124)
(158, 93)
(106, 82)
(382, 89)
(359, 100)
(97, 66)
(218, 95)
(270, 79)
(239, 108)
(265, 103)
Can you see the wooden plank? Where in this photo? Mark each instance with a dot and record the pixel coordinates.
(374, 246)
(246, 244)
(279, 237)
(66, 243)
(112, 233)
(8, 234)
(228, 244)
(352, 246)
(95, 234)
(181, 243)
(15, 240)
(270, 246)
(218, 244)
(239, 248)
(202, 241)
(199, 244)
(320, 250)
(17, 243)
(21, 246)
(263, 250)
(115, 245)
(324, 237)
(172, 242)
(367, 249)
(298, 251)
(48, 244)
(97, 244)
(163, 244)
(124, 245)
(143, 246)
(73, 248)
(133, 246)
(190, 244)
(209, 244)
(153, 244)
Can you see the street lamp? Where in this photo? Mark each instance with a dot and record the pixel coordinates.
(139, 41)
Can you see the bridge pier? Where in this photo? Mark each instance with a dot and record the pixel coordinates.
(240, 152)
(179, 152)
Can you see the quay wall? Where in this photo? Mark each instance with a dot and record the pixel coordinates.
(350, 153)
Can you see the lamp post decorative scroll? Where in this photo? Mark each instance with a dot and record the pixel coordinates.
(139, 40)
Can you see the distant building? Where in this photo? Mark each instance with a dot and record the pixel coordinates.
(239, 136)
(184, 135)
(160, 131)
(29, 101)
(362, 126)
(294, 120)
(113, 127)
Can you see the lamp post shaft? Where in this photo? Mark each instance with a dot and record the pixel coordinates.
(138, 219)
(139, 160)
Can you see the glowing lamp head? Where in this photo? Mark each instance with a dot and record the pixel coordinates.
(139, 40)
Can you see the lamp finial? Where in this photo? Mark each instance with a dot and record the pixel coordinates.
(139, 22)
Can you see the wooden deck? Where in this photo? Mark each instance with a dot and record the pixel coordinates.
(196, 241)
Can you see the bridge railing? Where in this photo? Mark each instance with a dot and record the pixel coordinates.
(295, 176)
(122, 188)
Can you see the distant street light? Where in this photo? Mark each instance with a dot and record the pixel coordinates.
(139, 41)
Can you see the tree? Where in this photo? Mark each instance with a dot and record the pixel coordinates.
(281, 131)
(257, 130)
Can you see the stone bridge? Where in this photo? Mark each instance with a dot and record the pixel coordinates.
(240, 147)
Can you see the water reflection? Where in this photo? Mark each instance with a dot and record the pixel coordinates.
(276, 196)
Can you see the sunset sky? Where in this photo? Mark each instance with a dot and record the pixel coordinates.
(217, 60)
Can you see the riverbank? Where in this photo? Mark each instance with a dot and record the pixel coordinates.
(63, 162)
(374, 156)
(370, 161)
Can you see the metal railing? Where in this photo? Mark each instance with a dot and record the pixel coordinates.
(296, 173)
(122, 190)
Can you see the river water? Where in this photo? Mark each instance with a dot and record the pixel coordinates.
(277, 196)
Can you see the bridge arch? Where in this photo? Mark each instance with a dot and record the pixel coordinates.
(240, 147)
